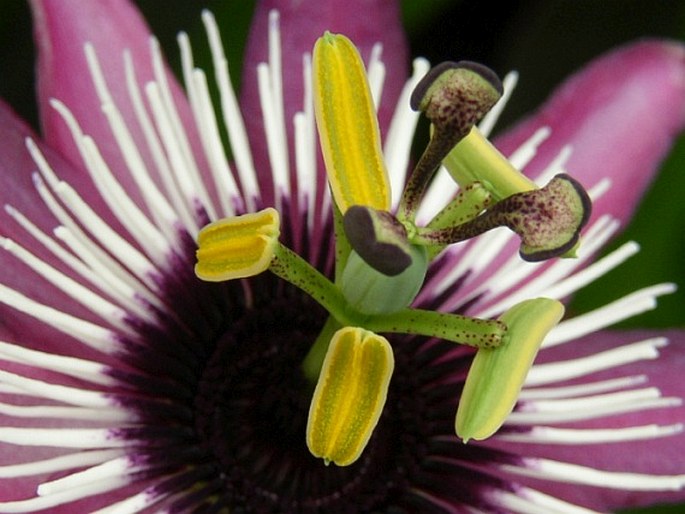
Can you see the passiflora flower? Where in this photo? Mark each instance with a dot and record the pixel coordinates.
(256, 306)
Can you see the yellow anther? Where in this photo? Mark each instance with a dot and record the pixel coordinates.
(349, 395)
(497, 375)
(237, 247)
(347, 125)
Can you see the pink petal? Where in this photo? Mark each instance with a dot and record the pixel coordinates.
(661, 456)
(61, 29)
(18, 191)
(620, 114)
(366, 22)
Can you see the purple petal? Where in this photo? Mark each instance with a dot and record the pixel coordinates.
(660, 456)
(620, 114)
(61, 28)
(18, 191)
(366, 22)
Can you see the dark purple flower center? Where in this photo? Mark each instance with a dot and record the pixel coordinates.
(240, 402)
(251, 412)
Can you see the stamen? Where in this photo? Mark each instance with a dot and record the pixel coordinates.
(497, 374)
(471, 331)
(349, 396)
(292, 268)
(349, 135)
(475, 159)
(237, 247)
(480, 333)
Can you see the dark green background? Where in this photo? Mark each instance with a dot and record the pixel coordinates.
(544, 40)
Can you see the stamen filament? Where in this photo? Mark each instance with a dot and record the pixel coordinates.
(481, 333)
(451, 327)
(311, 365)
(292, 268)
